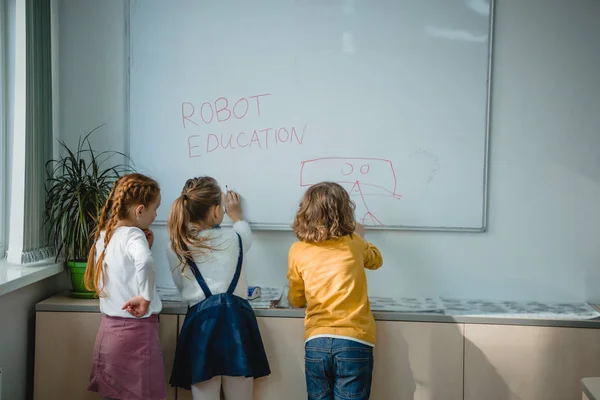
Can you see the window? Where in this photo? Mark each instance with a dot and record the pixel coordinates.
(29, 137)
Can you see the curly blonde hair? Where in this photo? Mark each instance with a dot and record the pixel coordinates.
(326, 212)
(128, 191)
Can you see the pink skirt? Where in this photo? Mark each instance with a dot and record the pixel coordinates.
(128, 362)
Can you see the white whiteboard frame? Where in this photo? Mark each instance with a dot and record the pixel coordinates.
(285, 227)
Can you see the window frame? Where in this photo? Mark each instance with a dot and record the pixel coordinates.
(3, 126)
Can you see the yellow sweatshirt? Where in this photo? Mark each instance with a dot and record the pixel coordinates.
(329, 279)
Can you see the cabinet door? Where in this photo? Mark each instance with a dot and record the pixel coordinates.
(168, 331)
(528, 362)
(418, 360)
(283, 339)
(64, 344)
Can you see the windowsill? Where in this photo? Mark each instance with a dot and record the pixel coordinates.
(14, 276)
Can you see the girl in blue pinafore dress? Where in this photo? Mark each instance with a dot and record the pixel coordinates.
(219, 347)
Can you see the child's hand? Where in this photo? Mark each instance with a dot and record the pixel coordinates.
(136, 306)
(359, 229)
(233, 206)
(149, 237)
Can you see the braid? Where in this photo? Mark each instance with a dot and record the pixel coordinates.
(105, 213)
(109, 228)
(90, 276)
(127, 191)
(99, 278)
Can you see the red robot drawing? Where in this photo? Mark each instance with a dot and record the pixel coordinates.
(361, 177)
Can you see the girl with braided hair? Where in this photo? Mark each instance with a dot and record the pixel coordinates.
(219, 346)
(127, 361)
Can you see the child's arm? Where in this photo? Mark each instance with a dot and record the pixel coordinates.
(233, 206)
(242, 228)
(138, 250)
(296, 296)
(136, 306)
(176, 269)
(372, 258)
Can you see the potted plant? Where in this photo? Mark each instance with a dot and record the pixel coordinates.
(77, 186)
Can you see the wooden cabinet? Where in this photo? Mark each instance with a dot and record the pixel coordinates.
(413, 360)
(505, 362)
(64, 343)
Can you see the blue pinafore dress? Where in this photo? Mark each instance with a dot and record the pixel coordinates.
(219, 336)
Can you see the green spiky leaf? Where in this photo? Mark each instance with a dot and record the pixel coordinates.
(77, 186)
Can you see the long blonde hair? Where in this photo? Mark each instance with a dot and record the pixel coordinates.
(128, 191)
(189, 209)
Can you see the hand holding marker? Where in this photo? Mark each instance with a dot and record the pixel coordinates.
(233, 206)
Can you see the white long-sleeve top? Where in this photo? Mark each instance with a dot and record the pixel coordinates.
(216, 266)
(128, 272)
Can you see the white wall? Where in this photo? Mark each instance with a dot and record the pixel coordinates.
(544, 219)
(92, 71)
(17, 334)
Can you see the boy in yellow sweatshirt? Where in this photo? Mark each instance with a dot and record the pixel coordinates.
(326, 273)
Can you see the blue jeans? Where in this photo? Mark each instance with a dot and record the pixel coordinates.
(338, 369)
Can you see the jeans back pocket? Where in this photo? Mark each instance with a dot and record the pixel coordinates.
(317, 383)
(353, 376)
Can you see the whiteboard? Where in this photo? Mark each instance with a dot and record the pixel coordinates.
(390, 98)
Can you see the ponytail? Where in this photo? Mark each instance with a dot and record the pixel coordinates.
(179, 230)
(199, 194)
